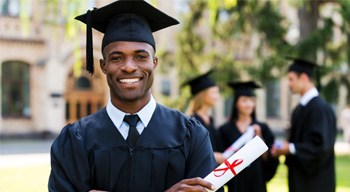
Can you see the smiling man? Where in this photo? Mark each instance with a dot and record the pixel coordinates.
(134, 143)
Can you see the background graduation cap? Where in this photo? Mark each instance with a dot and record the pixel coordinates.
(200, 83)
(243, 88)
(300, 65)
(123, 20)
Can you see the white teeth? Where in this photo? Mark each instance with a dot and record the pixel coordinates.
(129, 80)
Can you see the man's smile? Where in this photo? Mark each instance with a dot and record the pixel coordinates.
(129, 80)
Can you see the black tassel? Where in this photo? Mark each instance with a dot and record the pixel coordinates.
(89, 44)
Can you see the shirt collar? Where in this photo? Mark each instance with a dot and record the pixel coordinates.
(310, 94)
(145, 114)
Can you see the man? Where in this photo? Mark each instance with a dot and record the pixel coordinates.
(133, 144)
(310, 148)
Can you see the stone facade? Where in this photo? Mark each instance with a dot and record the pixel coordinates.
(56, 96)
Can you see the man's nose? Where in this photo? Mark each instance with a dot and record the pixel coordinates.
(129, 66)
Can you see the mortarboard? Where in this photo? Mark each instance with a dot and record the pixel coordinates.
(200, 83)
(124, 20)
(302, 66)
(243, 88)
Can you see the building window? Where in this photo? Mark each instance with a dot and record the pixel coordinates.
(67, 110)
(14, 8)
(228, 102)
(82, 83)
(15, 95)
(9, 7)
(78, 107)
(88, 108)
(166, 87)
(273, 99)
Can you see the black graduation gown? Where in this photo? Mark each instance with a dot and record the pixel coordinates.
(92, 154)
(313, 132)
(213, 133)
(254, 177)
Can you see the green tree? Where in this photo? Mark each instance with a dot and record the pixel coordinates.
(246, 22)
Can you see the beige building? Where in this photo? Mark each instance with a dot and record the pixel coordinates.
(40, 91)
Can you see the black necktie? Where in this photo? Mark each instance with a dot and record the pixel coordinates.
(133, 133)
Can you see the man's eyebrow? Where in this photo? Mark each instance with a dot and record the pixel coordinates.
(136, 51)
(142, 51)
(115, 52)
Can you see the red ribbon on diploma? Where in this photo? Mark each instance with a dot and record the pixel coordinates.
(231, 167)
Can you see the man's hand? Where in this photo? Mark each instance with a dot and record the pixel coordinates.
(257, 130)
(281, 149)
(219, 157)
(194, 184)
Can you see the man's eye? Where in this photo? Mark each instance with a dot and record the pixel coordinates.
(140, 57)
(116, 58)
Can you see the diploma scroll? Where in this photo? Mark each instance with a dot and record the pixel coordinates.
(245, 138)
(237, 162)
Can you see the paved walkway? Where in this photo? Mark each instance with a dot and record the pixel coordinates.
(24, 152)
(31, 153)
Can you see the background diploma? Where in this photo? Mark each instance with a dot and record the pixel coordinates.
(242, 140)
(237, 162)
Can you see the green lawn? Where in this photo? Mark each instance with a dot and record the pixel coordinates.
(34, 178)
(29, 179)
(279, 182)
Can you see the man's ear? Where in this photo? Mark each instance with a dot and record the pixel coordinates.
(155, 61)
(103, 66)
(304, 77)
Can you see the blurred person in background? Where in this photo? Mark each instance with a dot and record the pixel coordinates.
(255, 176)
(205, 94)
(309, 149)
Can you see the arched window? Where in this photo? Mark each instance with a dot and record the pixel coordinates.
(15, 95)
(82, 83)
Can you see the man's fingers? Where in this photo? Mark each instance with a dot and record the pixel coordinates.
(199, 181)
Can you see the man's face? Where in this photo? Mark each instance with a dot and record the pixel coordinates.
(129, 70)
(294, 82)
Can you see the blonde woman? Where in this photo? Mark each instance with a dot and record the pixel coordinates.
(205, 94)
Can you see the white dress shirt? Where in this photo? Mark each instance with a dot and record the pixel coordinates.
(304, 100)
(117, 116)
(310, 94)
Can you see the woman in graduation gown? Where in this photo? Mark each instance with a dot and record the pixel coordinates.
(254, 177)
(205, 94)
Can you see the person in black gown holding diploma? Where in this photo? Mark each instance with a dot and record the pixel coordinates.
(254, 177)
(133, 144)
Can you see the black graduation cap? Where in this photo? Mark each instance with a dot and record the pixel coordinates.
(303, 66)
(243, 88)
(124, 20)
(200, 83)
